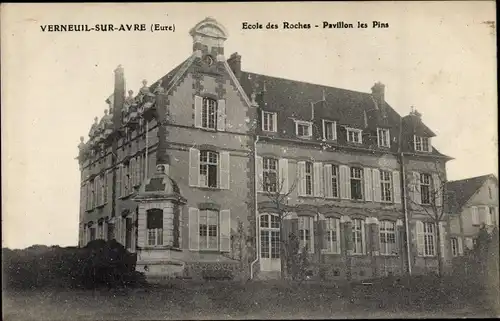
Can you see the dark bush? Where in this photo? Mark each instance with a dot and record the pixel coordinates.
(99, 264)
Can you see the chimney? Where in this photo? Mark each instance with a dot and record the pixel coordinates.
(208, 38)
(118, 96)
(378, 94)
(234, 63)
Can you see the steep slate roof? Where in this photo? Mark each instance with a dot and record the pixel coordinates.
(292, 100)
(462, 190)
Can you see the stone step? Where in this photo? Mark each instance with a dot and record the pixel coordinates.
(268, 275)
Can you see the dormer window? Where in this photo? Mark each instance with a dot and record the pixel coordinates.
(269, 121)
(383, 137)
(303, 129)
(422, 144)
(354, 135)
(329, 130)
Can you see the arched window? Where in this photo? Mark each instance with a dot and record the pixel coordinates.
(155, 227)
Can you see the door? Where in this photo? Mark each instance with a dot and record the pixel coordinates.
(269, 242)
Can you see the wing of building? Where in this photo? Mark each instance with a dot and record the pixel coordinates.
(211, 166)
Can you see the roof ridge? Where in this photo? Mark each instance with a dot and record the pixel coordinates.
(308, 83)
(469, 178)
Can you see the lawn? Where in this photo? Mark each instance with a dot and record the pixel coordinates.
(230, 300)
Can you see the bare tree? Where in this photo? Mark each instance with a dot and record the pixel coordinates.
(433, 205)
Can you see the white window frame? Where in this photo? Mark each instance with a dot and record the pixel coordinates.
(154, 235)
(387, 231)
(454, 246)
(420, 142)
(303, 123)
(335, 181)
(331, 232)
(428, 184)
(359, 179)
(205, 165)
(205, 222)
(358, 236)
(386, 194)
(209, 112)
(269, 124)
(309, 178)
(304, 237)
(475, 215)
(429, 239)
(267, 169)
(333, 125)
(383, 137)
(358, 133)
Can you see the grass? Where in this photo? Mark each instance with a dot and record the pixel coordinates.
(226, 300)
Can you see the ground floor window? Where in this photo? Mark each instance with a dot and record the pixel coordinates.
(209, 230)
(454, 246)
(305, 232)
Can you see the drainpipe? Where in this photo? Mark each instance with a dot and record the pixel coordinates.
(147, 147)
(255, 208)
(405, 210)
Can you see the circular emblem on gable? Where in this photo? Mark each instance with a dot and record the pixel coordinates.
(209, 60)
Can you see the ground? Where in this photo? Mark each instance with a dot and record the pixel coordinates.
(225, 300)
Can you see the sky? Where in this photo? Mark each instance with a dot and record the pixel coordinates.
(437, 56)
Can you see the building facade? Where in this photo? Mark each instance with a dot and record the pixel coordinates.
(474, 204)
(186, 173)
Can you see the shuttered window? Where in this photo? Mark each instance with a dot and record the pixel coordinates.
(209, 230)
(386, 186)
(306, 233)
(309, 178)
(388, 244)
(425, 188)
(270, 174)
(209, 162)
(358, 236)
(209, 114)
(332, 235)
(356, 183)
(429, 239)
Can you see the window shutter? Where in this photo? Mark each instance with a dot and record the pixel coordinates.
(415, 142)
(322, 231)
(301, 177)
(198, 101)
(225, 231)
(283, 175)
(262, 119)
(345, 184)
(224, 171)
(337, 231)
(437, 189)
(377, 193)
(259, 174)
(118, 228)
(396, 186)
(324, 129)
(475, 216)
(311, 224)
(416, 188)
(328, 180)
(133, 171)
(318, 179)
(363, 236)
(368, 183)
(119, 180)
(194, 167)
(194, 234)
(429, 145)
(275, 122)
(141, 228)
(221, 115)
(420, 238)
(442, 239)
(460, 246)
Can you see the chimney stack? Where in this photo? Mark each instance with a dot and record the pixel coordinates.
(234, 63)
(118, 96)
(378, 93)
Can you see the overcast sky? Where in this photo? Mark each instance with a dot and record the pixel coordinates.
(439, 57)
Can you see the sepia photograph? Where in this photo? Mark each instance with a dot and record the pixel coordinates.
(257, 160)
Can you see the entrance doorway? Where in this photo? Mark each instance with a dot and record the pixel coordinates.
(269, 242)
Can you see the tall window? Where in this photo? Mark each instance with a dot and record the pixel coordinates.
(329, 130)
(309, 178)
(92, 233)
(209, 221)
(383, 137)
(126, 180)
(154, 226)
(454, 246)
(100, 230)
(354, 135)
(425, 188)
(209, 114)
(358, 237)
(208, 168)
(128, 233)
(388, 238)
(270, 174)
(421, 144)
(104, 190)
(356, 183)
(305, 232)
(386, 186)
(332, 235)
(269, 121)
(303, 129)
(92, 194)
(335, 181)
(490, 217)
(429, 244)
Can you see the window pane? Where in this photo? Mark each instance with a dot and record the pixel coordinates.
(154, 218)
